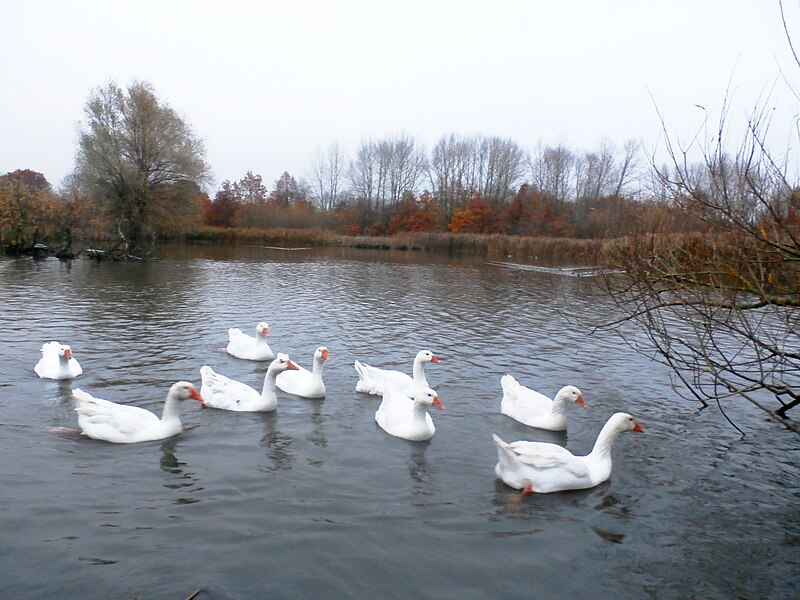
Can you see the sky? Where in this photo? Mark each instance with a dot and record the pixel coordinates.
(267, 85)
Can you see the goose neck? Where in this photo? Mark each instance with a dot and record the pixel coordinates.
(63, 365)
(559, 406)
(171, 408)
(419, 374)
(605, 440)
(419, 410)
(269, 384)
(316, 370)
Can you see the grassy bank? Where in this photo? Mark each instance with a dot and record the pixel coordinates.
(491, 246)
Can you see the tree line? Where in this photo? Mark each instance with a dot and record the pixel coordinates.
(141, 175)
(465, 184)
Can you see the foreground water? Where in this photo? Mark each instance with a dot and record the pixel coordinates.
(315, 501)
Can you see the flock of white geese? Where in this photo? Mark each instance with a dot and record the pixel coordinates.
(403, 412)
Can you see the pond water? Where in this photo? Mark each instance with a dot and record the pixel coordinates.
(315, 500)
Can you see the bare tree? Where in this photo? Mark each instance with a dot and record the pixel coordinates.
(596, 172)
(503, 165)
(327, 170)
(551, 171)
(722, 308)
(335, 172)
(460, 167)
(627, 168)
(450, 165)
(406, 167)
(383, 172)
(363, 171)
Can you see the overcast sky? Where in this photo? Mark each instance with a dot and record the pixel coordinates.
(266, 84)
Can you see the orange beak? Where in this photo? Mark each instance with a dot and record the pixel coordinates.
(434, 359)
(438, 403)
(265, 331)
(290, 366)
(68, 354)
(195, 395)
(325, 354)
(580, 402)
(638, 428)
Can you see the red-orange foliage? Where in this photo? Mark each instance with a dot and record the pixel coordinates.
(375, 230)
(224, 209)
(534, 214)
(286, 191)
(478, 217)
(414, 215)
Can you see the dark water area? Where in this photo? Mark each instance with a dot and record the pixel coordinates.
(315, 500)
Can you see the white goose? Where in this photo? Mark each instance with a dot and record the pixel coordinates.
(402, 417)
(303, 382)
(248, 347)
(123, 424)
(222, 392)
(372, 380)
(543, 468)
(537, 410)
(57, 362)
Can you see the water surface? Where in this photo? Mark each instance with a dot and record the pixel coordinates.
(315, 500)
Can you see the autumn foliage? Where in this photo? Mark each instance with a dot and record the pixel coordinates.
(477, 217)
(414, 215)
(28, 208)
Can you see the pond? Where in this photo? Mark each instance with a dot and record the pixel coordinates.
(315, 500)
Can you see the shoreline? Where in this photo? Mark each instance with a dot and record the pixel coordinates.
(591, 251)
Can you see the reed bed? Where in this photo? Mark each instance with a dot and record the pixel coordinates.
(589, 252)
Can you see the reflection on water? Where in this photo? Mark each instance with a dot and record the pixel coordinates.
(419, 469)
(317, 436)
(314, 495)
(169, 462)
(278, 445)
(184, 480)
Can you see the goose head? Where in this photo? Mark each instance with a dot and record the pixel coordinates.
(426, 356)
(570, 393)
(64, 352)
(183, 390)
(282, 363)
(428, 397)
(321, 353)
(624, 422)
(262, 329)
